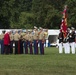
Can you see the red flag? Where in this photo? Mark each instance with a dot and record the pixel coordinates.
(63, 26)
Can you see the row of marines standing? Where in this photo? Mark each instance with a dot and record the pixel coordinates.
(68, 42)
(22, 41)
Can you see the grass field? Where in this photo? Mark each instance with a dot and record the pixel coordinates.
(52, 63)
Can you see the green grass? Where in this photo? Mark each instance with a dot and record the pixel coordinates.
(52, 63)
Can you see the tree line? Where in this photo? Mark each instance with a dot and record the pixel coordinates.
(41, 13)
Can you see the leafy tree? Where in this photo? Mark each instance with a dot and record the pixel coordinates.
(71, 12)
(4, 14)
(29, 13)
(46, 15)
(26, 20)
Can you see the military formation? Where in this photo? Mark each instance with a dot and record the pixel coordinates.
(19, 42)
(67, 44)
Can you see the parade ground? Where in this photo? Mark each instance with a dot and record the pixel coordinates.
(51, 63)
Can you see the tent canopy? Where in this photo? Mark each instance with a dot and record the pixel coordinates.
(53, 32)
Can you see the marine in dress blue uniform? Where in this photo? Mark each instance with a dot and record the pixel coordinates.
(35, 38)
(2, 42)
(41, 40)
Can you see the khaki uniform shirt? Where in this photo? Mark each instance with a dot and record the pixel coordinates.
(30, 37)
(2, 36)
(11, 37)
(26, 37)
(35, 36)
(21, 35)
(42, 36)
(16, 36)
(46, 35)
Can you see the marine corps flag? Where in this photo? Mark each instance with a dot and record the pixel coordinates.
(63, 26)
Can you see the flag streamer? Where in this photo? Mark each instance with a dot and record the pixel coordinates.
(63, 26)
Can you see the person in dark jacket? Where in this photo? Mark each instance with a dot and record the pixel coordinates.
(11, 42)
(60, 37)
(72, 40)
